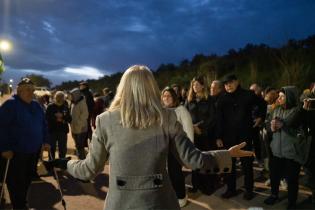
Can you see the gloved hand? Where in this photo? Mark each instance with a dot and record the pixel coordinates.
(57, 163)
(83, 181)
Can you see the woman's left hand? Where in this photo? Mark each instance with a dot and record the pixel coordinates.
(236, 151)
(278, 124)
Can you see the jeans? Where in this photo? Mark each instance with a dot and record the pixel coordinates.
(247, 169)
(59, 138)
(19, 178)
(283, 167)
(177, 177)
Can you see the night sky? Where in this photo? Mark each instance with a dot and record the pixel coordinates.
(79, 39)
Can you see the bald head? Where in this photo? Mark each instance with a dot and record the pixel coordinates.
(256, 89)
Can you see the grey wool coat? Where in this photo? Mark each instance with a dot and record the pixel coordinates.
(138, 176)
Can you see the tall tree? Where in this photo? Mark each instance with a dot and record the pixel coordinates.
(39, 80)
(294, 66)
(1, 64)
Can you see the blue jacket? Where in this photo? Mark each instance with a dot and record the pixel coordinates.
(22, 126)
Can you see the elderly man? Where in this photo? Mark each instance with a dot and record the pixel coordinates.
(235, 123)
(23, 134)
(216, 90)
(79, 123)
(58, 117)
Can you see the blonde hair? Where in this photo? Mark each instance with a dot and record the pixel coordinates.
(138, 98)
(192, 95)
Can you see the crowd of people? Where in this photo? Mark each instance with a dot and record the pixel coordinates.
(278, 124)
(160, 130)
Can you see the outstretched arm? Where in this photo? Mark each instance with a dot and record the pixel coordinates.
(95, 160)
(217, 161)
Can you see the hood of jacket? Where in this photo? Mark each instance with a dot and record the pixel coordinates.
(292, 96)
(75, 95)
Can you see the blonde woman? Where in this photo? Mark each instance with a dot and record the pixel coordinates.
(202, 110)
(136, 135)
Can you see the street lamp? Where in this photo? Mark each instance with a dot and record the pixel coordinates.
(5, 45)
(10, 86)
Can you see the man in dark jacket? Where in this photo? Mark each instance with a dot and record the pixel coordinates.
(216, 90)
(235, 125)
(58, 117)
(259, 111)
(108, 96)
(23, 132)
(309, 105)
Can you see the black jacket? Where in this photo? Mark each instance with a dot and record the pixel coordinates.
(260, 110)
(310, 120)
(203, 114)
(53, 124)
(234, 113)
(89, 99)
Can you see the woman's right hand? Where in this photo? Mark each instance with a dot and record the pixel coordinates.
(236, 151)
(273, 125)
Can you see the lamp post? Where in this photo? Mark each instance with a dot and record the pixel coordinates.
(10, 86)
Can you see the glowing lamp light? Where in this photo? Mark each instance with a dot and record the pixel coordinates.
(5, 45)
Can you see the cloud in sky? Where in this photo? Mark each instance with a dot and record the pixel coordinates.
(114, 34)
(56, 76)
(48, 27)
(87, 71)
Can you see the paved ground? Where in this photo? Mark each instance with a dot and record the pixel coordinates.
(3, 98)
(44, 193)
